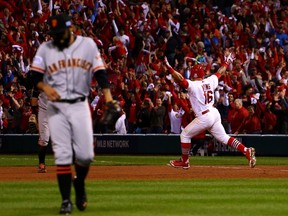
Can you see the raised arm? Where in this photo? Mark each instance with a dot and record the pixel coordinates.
(229, 56)
(178, 78)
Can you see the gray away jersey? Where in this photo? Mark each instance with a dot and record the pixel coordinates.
(69, 71)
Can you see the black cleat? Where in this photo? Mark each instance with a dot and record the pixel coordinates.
(66, 207)
(81, 198)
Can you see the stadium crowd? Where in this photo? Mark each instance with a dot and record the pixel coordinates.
(133, 37)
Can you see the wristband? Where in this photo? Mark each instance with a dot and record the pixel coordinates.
(225, 64)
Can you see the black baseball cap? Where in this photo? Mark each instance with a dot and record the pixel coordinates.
(58, 23)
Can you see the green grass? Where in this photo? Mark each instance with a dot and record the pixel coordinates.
(236, 197)
(158, 198)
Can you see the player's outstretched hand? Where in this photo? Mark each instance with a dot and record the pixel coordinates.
(176, 75)
(111, 114)
(231, 57)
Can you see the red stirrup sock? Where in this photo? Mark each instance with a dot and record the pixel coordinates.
(236, 144)
(185, 148)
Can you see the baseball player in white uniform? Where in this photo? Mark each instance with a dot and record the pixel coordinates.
(63, 68)
(207, 117)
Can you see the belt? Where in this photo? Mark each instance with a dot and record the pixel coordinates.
(71, 101)
(205, 111)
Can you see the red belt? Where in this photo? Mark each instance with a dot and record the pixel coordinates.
(205, 111)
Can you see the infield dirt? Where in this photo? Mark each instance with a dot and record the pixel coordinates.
(162, 172)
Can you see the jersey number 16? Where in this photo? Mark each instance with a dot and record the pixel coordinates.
(208, 96)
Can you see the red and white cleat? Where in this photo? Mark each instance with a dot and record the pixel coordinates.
(250, 155)
(180, 164)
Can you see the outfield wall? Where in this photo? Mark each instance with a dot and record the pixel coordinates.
(266, 145)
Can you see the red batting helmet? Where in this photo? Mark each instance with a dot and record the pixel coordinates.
(197, 72)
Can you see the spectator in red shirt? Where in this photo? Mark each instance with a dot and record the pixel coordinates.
(252, 125)
(269, 120)
(4, 98)
(131, 107)
(239, 117)
(25, 112)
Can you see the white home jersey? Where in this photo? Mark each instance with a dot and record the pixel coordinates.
(201, 93)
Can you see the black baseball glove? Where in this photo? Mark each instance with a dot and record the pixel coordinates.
(111, 114)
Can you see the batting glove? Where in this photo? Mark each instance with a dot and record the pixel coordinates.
(230, 58)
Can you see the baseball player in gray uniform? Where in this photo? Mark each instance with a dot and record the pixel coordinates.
(44, 134)
(63, 68)
(207, 117)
